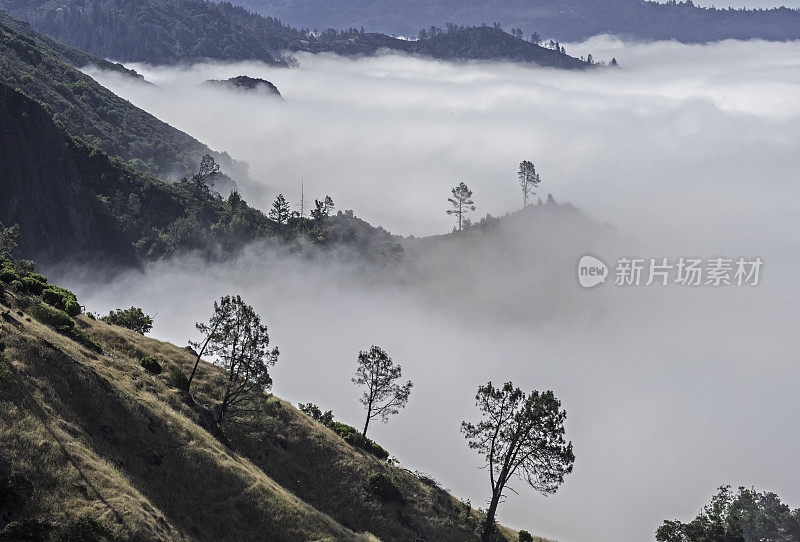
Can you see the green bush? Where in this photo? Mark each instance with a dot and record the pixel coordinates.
(354, 438)
(60, 298)
(72, 308)
(8, 274)
(38, 278)
(17, 286)
(178, 380)
(32, 286)
(525, 536)
(133, 318)
(383, 486)
(325, 418)
(465, 516)
(52, 317)
(150, 365)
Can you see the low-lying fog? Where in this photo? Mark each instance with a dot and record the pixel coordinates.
(686, 150)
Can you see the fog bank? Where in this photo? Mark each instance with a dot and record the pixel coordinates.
(685, 150)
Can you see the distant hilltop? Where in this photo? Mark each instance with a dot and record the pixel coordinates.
(244, 82)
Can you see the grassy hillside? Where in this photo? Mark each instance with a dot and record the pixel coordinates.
(94, 446)
(46, 70)
(167, 32)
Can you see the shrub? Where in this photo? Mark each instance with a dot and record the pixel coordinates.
(38, 278)
(465, 516)
(18, 286)
(72, 308)
(133, 318)
(8, 274)
(178, 380)
(52, 317)
(383, 486)
(325, 418)
(354, 438)
(525, 536)
(150, 365)
(60, 298)
(32, 286)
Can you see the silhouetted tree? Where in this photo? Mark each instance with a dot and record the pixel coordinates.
(462, 203)
(528, 180)
(238, 342)
(614, 62)
(383, 396)
(208, 169)
(322, 208)
(519, 435)
(280, 210)
(536, 38)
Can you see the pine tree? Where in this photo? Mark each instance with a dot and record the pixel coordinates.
(462, 203)
(280, 210)
(528, 180)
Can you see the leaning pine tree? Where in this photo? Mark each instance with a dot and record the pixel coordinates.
(383, 395)
(519, 435)
(236, 340)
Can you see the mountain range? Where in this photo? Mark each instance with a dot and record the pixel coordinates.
(563, 20)
(171, 31)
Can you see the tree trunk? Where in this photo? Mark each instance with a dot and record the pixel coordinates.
(366, 424)
(199, 355)
(489, 527)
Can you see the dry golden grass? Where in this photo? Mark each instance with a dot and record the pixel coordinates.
(102, 437)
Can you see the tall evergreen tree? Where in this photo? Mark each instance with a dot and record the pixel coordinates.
(461, 202)
(383, 396)
(528, 180)
(280, 210)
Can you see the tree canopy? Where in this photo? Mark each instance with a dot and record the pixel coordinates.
(519, 435)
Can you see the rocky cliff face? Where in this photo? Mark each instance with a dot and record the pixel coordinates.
(43, 189)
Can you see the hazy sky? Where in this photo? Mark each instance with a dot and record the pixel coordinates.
(686, 150)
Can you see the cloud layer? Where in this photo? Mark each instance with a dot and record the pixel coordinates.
(686, 150)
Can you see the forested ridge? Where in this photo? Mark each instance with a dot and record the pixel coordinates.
(166, 32)
(564, 20)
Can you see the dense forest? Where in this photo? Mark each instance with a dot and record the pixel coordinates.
(186, 30)
(564, 20)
